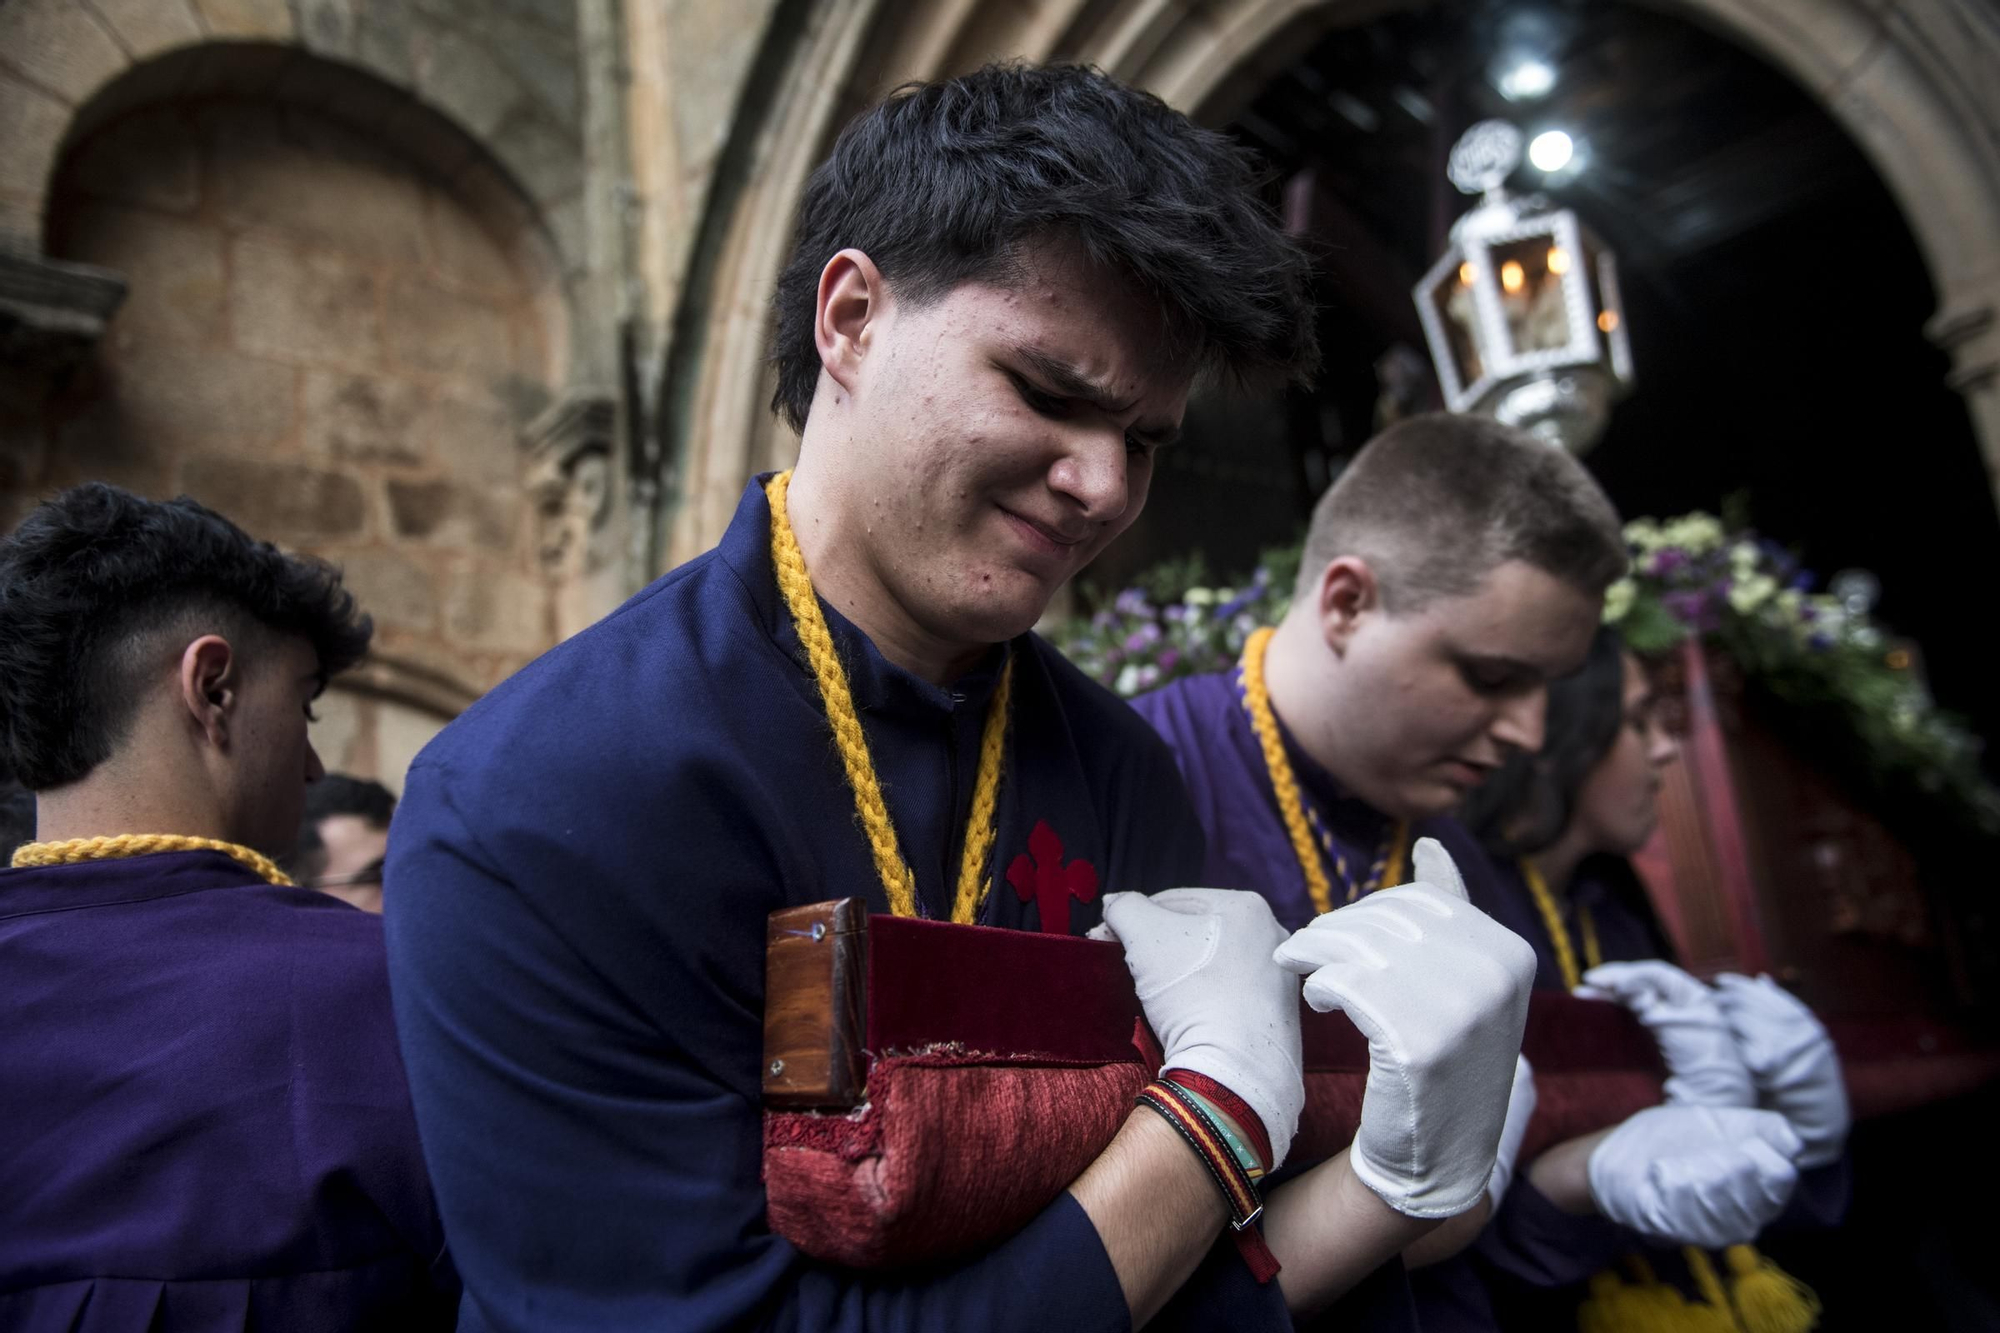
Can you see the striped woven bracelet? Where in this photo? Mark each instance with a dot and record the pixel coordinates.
(1194, 1122)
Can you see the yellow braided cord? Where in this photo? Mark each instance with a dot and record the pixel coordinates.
(1545, 902)
(1378, 870)
(1768, 1299)
(1705, 1280)
(973, 881)
(1592, 955)
(1399, 842)
(898, 880)
(1265, 723)
(141, 844)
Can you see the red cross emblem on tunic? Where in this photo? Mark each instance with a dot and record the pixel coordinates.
(1040, 877)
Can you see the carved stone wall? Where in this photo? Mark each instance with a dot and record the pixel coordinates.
(361, 245)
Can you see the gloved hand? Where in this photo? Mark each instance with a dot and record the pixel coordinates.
(1201, 961)
(1440, 990)
(1520, 1110)
(1703, 1067)
(1711, 1176)
(1792, 1061)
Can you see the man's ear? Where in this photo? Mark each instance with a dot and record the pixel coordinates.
(211, 686)
(1347, 593)
(851, 298)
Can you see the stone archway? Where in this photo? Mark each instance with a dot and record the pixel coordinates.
(349, 326)
(1910, 83)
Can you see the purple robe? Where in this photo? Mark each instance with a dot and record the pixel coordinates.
(203, 1117)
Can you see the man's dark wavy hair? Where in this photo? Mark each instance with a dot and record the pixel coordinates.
(94, 581)
(945, 183)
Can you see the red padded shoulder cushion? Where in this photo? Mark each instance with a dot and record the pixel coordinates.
(1002, 1063)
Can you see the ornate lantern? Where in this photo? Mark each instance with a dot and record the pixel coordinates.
(1522, 311)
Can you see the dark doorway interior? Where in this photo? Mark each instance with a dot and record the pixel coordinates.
(1776, 302)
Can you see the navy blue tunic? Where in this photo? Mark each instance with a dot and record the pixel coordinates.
(582, 865)
(203, 1119)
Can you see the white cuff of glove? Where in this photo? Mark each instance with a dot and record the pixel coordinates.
(1520, 1110)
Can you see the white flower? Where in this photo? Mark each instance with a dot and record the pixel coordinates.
(1644, 534)
(1747, 594)
(1127, 683)
(1618, 599)
(1199, 596)
(1697, 534)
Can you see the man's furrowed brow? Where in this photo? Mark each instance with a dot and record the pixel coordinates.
(1061, 378)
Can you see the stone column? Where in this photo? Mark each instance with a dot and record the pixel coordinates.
(1967, 328)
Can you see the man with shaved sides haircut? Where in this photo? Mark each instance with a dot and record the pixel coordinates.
(206, 1124)
(1001, 289)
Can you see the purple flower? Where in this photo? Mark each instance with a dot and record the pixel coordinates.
(1694, 608)
(1169, 659)
(1667, 561)
(1131, 602)
(1802, 581)
(1819, 642)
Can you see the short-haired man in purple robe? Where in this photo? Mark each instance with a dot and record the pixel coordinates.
(1450, 573)
(206, 1123)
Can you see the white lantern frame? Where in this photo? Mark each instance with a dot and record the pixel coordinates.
(1497, 224)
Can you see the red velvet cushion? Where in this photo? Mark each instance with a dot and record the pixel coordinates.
(1004, 1062)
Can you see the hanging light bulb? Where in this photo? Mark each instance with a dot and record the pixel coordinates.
(1512, 276)
(1465, 275)
(1551, 150)
(1526, 80)
(1558, 260)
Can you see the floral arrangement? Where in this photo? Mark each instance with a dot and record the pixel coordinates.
(1693, 577)
(1171, 622)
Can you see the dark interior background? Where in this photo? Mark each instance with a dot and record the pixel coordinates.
(1775, 298)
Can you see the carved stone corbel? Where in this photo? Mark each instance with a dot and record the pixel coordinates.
(51, 314)
(568, 457)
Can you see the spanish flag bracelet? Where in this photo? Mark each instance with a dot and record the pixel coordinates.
(1198, 1114)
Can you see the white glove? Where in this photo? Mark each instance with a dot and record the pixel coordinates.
(1703, 1067)
(1201, 961)
(1711, 1176)
(1792, 1061)
(1520, 1110)
(1440, 990)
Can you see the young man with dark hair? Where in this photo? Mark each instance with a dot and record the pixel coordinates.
(344, 838)
(206, 1119)
(1451, 572)
(1002, 289)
